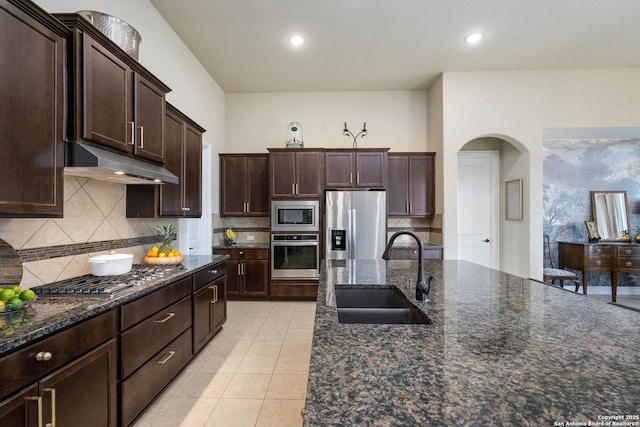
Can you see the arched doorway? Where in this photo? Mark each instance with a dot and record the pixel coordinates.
(508, 238)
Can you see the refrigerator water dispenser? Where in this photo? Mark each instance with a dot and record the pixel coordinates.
(338, 240)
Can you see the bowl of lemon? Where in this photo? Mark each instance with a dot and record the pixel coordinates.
(164, 254)
(13, 299)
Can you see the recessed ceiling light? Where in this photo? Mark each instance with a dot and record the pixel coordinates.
(119, 173)
(296, 40)
(473, 38)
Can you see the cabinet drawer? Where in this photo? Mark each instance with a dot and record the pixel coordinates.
(595, 250)
(22, 367)
(143, 386)
(628, 263)
(208, 275)
(145, 339)
(629, 251)
(244, 253)
(145, 306)
(599, 262)
(428, 253)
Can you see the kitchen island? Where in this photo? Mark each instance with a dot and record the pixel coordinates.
(501, 350)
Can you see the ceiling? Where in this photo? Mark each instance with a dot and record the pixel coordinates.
(361, 45)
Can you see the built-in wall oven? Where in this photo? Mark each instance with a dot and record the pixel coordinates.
(295, 256)
(295, 216)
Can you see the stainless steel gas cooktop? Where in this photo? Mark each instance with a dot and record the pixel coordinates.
(90, 285)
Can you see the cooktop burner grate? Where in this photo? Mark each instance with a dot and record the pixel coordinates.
(90, 285)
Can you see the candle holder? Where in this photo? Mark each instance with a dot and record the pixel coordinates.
(361, 134)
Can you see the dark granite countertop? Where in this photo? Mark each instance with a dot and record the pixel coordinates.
(502, 350)
(50, 314)
(244, 245)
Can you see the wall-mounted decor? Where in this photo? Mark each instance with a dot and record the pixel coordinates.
(513, 192)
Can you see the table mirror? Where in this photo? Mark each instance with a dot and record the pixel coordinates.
(611, 214)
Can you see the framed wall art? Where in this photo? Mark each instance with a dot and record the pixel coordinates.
(513, 200)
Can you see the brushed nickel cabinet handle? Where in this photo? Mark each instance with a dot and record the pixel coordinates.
(214, 289)
(53, 407)
(165, 357)
(598, 262)
(358, 178)
(133, 134)
(598, 251)
(38, 400)
(628, 264)
(141, 136)
(213, 271)
(415, 252)
(350, 177)
(293, 189)
(627, 251)
(167, 317)
(43, 356)
(239, 269)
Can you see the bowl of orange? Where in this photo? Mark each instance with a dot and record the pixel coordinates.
(157, 256)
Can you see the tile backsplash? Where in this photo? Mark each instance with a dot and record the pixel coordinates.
(94, 212)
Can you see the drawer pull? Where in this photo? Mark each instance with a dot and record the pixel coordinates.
(53, 407)
(44, 356)
(598, 251)
(628, 264)
(241, 253)
(38, 400)
(627, 251)
(165, 357)
(213, 271)
(598, 262)
(215, 294)
(415, 252)
(167, 317)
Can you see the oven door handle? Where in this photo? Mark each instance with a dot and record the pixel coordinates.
(294, 244)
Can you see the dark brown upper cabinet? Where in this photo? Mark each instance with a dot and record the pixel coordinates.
(32, 111)
(244, 184)
(114, 101)
(362, 168)
(295, 173)
(411, 186)
(183, 158)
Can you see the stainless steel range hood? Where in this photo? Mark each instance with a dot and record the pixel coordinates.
(95, 163)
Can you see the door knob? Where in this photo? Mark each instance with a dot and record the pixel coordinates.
(486, 240)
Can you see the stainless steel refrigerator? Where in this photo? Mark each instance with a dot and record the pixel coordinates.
(356, 224)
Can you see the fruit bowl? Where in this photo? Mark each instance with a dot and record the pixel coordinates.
(13, 299)
(163, 260)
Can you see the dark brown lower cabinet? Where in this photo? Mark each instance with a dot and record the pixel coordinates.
(247, 272)
(71, 376)
(209, 305)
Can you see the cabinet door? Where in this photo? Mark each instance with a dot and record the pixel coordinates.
(233, 185)
(371, 169)
(233, 277)
(283, 174)
(192, 175)
(107, 112)
(21, 409)
(338, 170)
(398, 185)
(256, 278)
(31, 116)
(258, 185)
(421, 185)
(202, 318)
(308, 174)
(171, 194)
(219, 305)
(84, 389)
(149, 119)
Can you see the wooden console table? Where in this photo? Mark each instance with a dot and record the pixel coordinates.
(608, 257)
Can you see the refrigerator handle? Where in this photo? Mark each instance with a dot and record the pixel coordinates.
(352, 233)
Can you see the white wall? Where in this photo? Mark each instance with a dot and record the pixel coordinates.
(517, 106)
(396, 119)
(194, 91)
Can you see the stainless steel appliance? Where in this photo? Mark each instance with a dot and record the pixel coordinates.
(295, 256)
(356, 224)
(296, 216)
(109, 286)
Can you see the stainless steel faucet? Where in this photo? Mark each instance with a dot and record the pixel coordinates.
(422, 286)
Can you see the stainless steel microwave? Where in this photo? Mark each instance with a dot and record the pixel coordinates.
(295, 216)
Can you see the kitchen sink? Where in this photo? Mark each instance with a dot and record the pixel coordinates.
(376, 306)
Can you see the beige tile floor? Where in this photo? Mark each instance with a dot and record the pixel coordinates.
(253, 373)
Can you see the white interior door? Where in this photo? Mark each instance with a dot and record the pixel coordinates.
(478, 207)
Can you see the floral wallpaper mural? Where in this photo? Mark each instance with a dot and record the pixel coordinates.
(575, 167)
